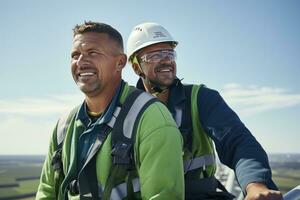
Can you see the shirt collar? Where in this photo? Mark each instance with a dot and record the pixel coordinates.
(140, 85)
(176, 95)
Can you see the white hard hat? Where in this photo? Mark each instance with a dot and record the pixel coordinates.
(146, 34)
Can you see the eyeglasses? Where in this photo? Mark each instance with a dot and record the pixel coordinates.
(156, 56)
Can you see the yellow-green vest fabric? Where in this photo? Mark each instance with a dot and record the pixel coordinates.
(202, 145)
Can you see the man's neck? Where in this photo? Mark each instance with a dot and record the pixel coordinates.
(98, 103)
(162, 96)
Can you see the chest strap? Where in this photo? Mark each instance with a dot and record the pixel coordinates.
(87, 176)
(198, 162)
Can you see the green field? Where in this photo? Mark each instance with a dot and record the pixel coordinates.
(286, 179)
(23, 177)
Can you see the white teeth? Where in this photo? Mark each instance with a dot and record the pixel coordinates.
(165, 70)
(86, 74)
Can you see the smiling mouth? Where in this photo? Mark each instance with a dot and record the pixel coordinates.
(164, 69)
(85, 74)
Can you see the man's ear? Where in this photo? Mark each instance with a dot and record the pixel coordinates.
(122, 62)
(136, 68)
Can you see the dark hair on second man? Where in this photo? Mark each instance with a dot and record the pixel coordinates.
(89, 26)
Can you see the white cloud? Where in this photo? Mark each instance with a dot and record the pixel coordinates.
(25, 136)
(253, 99)
(27, 123)
(48, 105)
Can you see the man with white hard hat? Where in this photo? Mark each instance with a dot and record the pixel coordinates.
(203, 118)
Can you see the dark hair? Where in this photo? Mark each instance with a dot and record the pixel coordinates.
(89, 26)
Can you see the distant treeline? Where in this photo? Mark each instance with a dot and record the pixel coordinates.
(21, 196)
(290, 165)
(24, 158)
(27, 178)
(9, 185)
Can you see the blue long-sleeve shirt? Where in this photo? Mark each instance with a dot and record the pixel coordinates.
(237, 148)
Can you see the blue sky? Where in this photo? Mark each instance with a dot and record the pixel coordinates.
(247, 50)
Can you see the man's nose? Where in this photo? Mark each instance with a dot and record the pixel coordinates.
(166, 59)
(82, 61)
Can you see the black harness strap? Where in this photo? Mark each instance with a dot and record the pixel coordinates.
(56, 161)
(122, 141)
(186, 126)
(123, 138)
(88, 179)
(206, 188)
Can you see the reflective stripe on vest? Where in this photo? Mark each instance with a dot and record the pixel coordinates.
(132, 114)
(198, 162)
(112, 121)
(62, 127)
(120, 191)
(178, 116)
(89, 195)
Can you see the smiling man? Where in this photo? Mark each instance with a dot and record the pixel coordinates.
(203, 117)
(89, 156)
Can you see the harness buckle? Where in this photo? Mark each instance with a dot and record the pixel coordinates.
(121, 153)
(56, 160)
(74, 187)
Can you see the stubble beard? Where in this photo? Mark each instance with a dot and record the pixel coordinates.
(89, 89)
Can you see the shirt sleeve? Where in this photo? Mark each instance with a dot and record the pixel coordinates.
(46, 188)
(236, 146)
(159, 155)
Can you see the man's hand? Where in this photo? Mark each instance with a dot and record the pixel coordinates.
(258, 191)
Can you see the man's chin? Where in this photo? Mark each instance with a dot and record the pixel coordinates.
(88, 91)
(167, 83)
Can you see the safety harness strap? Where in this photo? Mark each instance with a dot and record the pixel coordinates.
(183, 118)
(120, 191)
(186, 124)
(123, 133)
(87, 178)
(206, 188)
(198, 162)
(123, 138)
(56, 160)
(62, 126)
(89, 182)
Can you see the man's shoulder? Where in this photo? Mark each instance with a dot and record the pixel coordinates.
(157, 119)
(204, 92)
(157, 114)
(148, 106)
(64, 122)
(126, 90)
